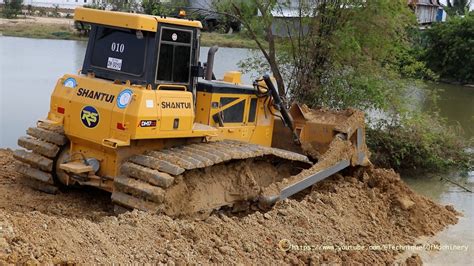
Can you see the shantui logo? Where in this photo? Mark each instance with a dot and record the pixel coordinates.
(175, 105)
(95, 95)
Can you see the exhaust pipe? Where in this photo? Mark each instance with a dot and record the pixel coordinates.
(210, 61)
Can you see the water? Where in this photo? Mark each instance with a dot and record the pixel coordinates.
(29, 69)
(446, 193)
(456, 104)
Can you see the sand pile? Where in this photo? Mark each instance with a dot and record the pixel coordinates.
(366, 207)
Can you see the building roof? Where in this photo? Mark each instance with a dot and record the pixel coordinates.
(128, 20)
(425, 2)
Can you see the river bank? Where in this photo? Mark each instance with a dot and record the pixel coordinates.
(365, 216)
(63, 29)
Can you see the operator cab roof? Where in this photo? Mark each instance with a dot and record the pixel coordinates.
(128, 20)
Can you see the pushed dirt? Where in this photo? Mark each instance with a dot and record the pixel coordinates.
(365, 207)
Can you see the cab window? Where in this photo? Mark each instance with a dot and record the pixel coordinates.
(174, 56)
(253, 110)
(235, 113)
(120, 50)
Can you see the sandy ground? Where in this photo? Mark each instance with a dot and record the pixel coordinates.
(365, 207)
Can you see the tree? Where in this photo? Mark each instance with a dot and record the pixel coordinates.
(458, 7)
(160, 8)
(351, 53)
(12, 8)
(335, 53)
(449, 50)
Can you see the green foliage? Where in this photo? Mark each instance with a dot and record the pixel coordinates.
(422, 142)
(124, 6)
(410, 66)
(449, 49)
(12, 8)
(116, 5)
(159, 8)
(363, 58)
(355, 54)
(361, 54)
(458, 7)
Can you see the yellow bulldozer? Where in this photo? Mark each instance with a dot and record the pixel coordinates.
(146, 121)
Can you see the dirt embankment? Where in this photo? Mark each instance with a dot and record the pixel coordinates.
(369, 207)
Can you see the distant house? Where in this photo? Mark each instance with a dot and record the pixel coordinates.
(428, 11)
(286, 18)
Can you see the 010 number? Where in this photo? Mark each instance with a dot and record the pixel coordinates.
(117, 47)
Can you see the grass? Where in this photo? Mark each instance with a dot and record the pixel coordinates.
(66, 32)
(236, 40)
(40, 31)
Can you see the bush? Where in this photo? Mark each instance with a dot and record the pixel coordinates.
(419, 143)
(449, 50)
(12, 8)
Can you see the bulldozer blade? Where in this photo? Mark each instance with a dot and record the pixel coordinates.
(339, 155)
(294, 188)
(312, 179)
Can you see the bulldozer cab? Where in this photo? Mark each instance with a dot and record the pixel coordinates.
(145, 50)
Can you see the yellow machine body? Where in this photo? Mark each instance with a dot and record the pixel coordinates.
(129, 20)
(152, 119)
(140, 113)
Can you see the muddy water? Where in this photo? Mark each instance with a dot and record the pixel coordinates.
(29, 69)
(456, 104)
(437, 188)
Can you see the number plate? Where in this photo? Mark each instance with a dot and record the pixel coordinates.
(114, 63)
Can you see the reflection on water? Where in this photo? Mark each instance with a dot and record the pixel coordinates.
(456, 104)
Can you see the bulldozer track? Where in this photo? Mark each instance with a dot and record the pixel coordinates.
(145, 180)
(42, 146)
